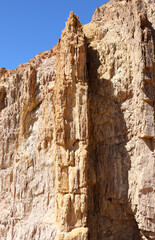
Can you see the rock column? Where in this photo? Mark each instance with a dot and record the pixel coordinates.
(71, 132)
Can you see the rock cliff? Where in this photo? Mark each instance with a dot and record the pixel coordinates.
(77, 136)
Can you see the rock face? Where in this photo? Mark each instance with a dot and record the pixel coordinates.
(77, 134)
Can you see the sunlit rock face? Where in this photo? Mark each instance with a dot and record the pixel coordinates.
(77, 132)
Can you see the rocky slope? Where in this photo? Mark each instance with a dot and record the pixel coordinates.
(77, 132)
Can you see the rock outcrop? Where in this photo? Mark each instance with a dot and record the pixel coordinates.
(77, 135)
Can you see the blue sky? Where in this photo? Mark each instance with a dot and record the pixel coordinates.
(32, 26)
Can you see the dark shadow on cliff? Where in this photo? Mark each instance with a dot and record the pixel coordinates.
(109, 212)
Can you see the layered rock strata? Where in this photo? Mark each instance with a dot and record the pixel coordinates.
(77, 132)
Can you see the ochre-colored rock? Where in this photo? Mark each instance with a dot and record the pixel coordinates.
(77, 135)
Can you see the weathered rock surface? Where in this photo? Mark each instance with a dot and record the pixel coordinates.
(77, 135)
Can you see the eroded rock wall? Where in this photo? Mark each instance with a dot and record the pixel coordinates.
(27, 179)
(77, 132)
(121, 46)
